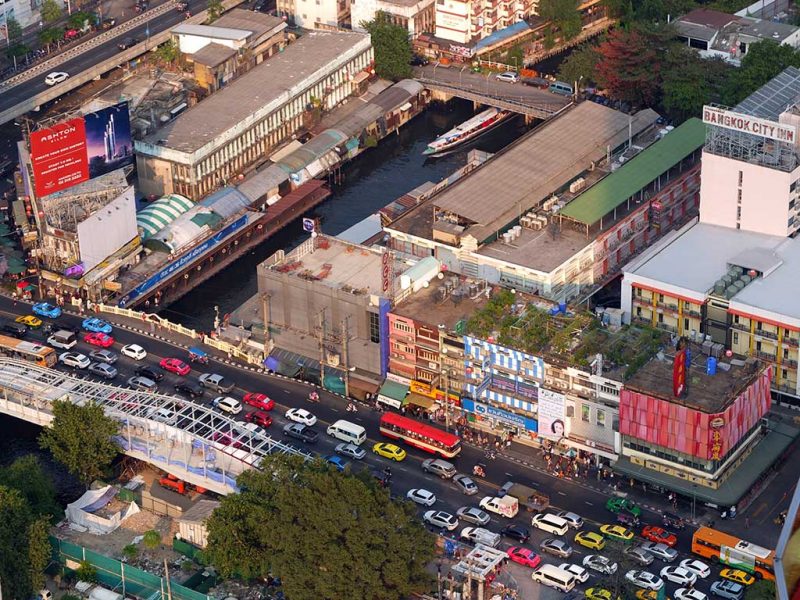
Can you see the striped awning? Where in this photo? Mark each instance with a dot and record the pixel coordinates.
(161, 213)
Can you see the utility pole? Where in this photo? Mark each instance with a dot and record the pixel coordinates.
(345, 339)
(265, 298)
(321, 337)
(446, 373)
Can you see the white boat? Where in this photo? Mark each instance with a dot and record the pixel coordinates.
(468, 130)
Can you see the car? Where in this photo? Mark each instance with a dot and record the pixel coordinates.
(590, 539)
(108, 23)
(105, 356)
(472, 514)
(697, 567)
(227, 404)
(17, 330)
(351, 451)
(103, 370)
(440, 519)
(737, 575)
(689, 594)
(45, 309)
(679, 575)
(524, 556)
(647, 595)
(337, 461)
(437, 466)
(617, 532)
(577, 571)
(659, 535)
(56, 77)
(599, 563)
(71, 34)
(556, 547)
(134, 351)
(508, 76)
(661, 551)
(259, 417)
(143, 384)
(618, 505)
(730, 590)
(96, 325)
(149, 371)
(639, 555)
(301, 432)
(391, 451)
(627, 519)
(598, 593)
(175, 365)
(644, 579)
(516, 532)
(226, 440)
(421, 496)
(259, 401)
(465, 484)
(101, 340)
(163, 415)
(575, 521)
(76, 360)
(419, 61)
(301, 415)
(215, 382)
(29, 321)
(187, 388)
(127, 43)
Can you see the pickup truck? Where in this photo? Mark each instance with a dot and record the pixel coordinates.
(532, 500)
(478, 535)
(507, 506)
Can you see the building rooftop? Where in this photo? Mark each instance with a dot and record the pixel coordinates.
(774, 97)
(240, 99)
(67, 208)
(543, 250)
(213, 54)
(438, 305)
(254, 21)
(707, 393)
(707, 18)
(212, 31)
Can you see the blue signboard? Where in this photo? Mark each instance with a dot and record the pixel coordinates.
(485, 410)
(182, 261)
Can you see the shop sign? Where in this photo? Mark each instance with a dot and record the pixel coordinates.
(749, 124)
(487, 411)
(716, 445)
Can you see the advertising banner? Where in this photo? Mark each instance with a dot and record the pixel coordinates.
(552, 414)
(58, 157)
(108, 139)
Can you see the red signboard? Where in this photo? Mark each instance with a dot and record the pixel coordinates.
(679, 373)
(58, 156)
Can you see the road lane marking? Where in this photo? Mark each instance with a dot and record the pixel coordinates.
(560, 493)
(588, 503)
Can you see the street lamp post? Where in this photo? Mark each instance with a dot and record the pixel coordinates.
(694, 497)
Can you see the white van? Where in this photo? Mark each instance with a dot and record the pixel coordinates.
(64, 339)
(550, 523)
(561, 88)
(348, 432)
(554, 577)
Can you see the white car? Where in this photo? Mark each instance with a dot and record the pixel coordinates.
(421, 496)
(661, 551)
(164, 415)
(440, 519)
(644, 579)
(227, 404)
(575, 521)
(689, 594)
(601, 564)
(134, 351)
(679, 575)
(579, 572)
(697, 567)
(508, 76)
(76, 360)
(56, 77)
(301, 415)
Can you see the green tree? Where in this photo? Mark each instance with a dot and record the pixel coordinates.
(392, 47)
(215, 9)
(151, 539)
(275, 525)
(24, 547)
(579, 65)
(51, 35)
(563, 14)
(167, 52)
(26, 475)
(86, 571)
(80, 438)
(17, 50)
(39, 551)
(50, 11)
(14, 30)
(760, 590)
(78, 20)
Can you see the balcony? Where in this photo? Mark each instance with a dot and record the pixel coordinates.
(667, 327)
(740, 327)
(790, 341)
(765, 356)
(766, 334)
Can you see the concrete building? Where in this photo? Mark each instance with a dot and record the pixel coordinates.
(316, 14)
(233, 130)
(192, 523)
(24, 12)
(467, 21)
(416, 16)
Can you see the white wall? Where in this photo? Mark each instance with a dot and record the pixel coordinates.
(107, 229)
(189, 44)
(309, 13)
(361, 11)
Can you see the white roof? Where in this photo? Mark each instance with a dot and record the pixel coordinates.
(209, 31)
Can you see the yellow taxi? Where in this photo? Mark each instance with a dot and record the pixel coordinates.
(649, 595)
(590, 539)
(738, 576)
(598, 593)
(30, 321)
(617, 532)
(390, 451)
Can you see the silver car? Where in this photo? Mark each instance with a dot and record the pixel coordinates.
(143, 384)
(601, 564)
(216, 382)
(575, 521)
(472, 514)
(103, 370)
(465, 484)
(661, 551)
(556, 547)
(639, 555)
(351, 451)
(76, 360)
(104, 356)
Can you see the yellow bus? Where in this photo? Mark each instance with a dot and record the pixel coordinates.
(44, 356)
(734, 552)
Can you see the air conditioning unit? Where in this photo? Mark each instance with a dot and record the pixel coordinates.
(395, 355)
(433, 365)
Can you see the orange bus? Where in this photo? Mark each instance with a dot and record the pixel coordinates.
(420, 435)
(734, 552)
(44, 356)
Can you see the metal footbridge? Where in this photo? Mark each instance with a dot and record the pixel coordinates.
(176, 435)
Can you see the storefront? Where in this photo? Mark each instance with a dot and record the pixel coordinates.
(499, 421)
(392, 394)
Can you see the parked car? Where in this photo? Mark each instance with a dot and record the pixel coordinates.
(301, 432)
(103, 370)
(215, 382)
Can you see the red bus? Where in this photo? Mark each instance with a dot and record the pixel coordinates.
(422, 436)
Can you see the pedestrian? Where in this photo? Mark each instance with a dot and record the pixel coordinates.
(747, 522)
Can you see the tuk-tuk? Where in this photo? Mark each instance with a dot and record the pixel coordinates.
(197, 355)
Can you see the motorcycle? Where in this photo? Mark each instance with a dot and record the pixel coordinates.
(479, 471)
(313, 397)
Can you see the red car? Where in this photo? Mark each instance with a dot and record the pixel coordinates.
(99, 339)
(260, 401)
(175, 365)
(225, 440)
(524, 556)
(659, 535)
(259, 417)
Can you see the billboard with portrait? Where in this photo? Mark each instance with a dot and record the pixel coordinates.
(552, 414)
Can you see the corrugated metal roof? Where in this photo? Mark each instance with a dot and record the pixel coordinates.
(161, 213)
(312, 150)
(616, 188)
(222, 33)
(227, 202)
(774, 97)
(259, 184)
(183, 230)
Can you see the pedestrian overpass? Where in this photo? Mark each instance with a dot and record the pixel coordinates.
(173, 434)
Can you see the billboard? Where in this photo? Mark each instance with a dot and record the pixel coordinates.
(80, 149)
(552, 414)
(748, 124)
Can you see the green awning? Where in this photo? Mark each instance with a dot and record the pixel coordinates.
(394, 390)
(16, 269)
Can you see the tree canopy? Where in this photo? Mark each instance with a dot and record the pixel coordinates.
(50, 11)
(14, 30)
(80, 438)
(325, 534)
(214, 10)
(392, 47)
(563, 14)
(760, 590)
(26, 475)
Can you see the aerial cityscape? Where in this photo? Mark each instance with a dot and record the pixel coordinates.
(399, 300)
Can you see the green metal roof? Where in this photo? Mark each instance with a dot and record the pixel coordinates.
(616, 188)
(394, 390)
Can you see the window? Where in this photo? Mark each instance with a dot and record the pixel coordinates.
(374, 328)
(585, 410)
(739, 196)
(601, 418)
(735, 338)
(741, 177)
